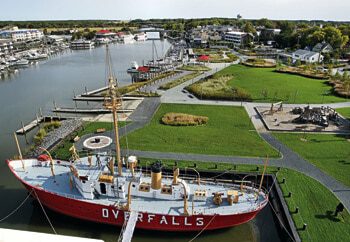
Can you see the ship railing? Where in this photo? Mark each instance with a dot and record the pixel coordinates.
(147, 173)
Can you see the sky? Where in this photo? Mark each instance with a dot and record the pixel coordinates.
(145, 9)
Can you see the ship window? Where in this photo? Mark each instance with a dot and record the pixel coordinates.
(144, 188)
(133, 185)
(120, 187)
(166, 190)
(112, 186)
(103, 188)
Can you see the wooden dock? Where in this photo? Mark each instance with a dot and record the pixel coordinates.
(88, 110)
(98, 90)
(28, 127)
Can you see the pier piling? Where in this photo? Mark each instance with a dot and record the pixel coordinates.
(25, 135)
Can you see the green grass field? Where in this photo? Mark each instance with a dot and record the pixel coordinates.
(344, 111)
(315, 202)
(330, 153)
(265, 85)
(228, 132)
(316, 206)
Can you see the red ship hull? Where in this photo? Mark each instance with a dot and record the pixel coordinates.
(111, 215)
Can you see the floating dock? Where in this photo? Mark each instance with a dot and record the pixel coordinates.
(98, 90)
(10, 235)
(101, 98)
(88, 110)
(36, 122)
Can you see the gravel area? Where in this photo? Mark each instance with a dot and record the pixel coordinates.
(53, 137)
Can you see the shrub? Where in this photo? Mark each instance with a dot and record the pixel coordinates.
(56, 124)
(52, 125)
(38, 138)
(41, 133)
(183, 119)
(257, 62)
(216, 88)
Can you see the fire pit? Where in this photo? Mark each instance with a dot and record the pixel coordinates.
(97, 142)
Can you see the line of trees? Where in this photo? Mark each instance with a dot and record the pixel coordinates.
(294, 34)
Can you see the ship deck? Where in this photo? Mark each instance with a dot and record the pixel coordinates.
(41, 176)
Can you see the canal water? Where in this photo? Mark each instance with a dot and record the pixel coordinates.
(55, 79)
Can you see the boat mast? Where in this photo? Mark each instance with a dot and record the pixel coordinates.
(19, 151)
(262, 176)
(113, 104)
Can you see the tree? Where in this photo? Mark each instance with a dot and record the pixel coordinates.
(249, 28)
(345, 77)
(266, 23)
(330, 70)
(334, 37)
(337, 76)
(298, 63)
(316, 37)
(287, 36)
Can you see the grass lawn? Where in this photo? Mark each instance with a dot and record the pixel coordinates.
(62, 151)
(265, 85)
(228, 132)
(330, 153)
(344, 111)
(316, 205)
(315, 202)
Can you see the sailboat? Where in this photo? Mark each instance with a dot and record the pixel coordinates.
(100, 188)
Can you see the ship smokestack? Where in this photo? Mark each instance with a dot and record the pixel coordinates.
(156, 175)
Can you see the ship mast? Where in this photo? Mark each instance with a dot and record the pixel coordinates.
(113, 103)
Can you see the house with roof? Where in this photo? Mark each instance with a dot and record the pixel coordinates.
(323, 47)
(307, 56)
(105, 33)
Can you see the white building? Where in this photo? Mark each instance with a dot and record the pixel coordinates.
(82, 44)
(307, 56)
(50, 39)
(16, 34)
(237, 38)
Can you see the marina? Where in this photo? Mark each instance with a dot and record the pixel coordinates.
(161, 125)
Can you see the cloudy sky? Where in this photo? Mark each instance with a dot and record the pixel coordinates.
(145, 9)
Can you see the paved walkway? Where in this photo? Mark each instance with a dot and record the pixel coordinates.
(290, 159)
(141, 116)
(179, 95)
